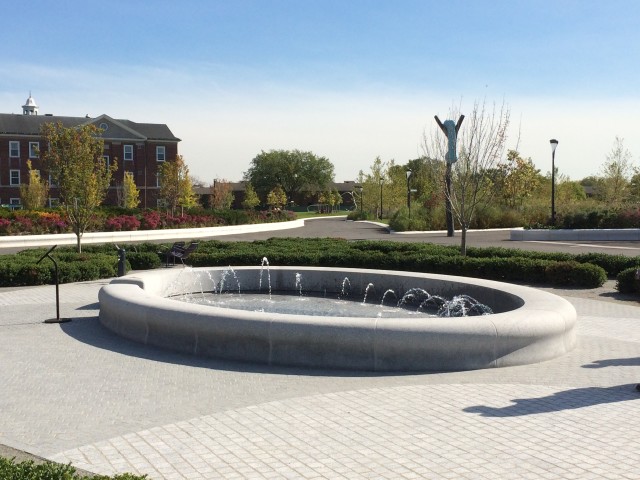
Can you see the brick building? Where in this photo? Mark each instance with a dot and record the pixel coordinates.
(138, 147)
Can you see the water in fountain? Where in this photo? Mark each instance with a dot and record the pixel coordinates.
(415, 301)
(225, 273)
(265, 261)
(299, 283)
(344, 284)
(463, 306)
(366, 292)
(385, 296)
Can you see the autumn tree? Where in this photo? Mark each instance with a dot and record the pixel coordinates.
(251, 199)
(516, 179)
(291, 170)
(176, 189)
(221, 194)
(33, 195)
(130, 192)
(74, 158)
(277, 197)
(616, 171)
(480, 143)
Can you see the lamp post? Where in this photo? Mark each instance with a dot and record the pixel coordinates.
(381, 183)
(554, 144)
(359, 188)
(409, 192)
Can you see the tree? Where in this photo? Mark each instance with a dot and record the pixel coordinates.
(251, 199)
(276, 198)
(516, 179)
(221, 194)
(130, 192)
(176, 189)
(292, 170)
(480, 143)
(616, 172)
(34, 194)
(74, 158)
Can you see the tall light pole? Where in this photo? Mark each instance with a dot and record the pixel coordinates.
(381, 183)
(554, 144)
(409, 192)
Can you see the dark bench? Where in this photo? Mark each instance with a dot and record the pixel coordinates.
(176, 247)
(181, 252)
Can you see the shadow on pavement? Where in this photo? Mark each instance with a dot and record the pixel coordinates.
(567, 400)
(614, 362)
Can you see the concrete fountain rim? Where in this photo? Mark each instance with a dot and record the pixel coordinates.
(540, 327)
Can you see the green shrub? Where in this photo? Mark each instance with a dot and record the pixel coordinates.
(612, 264)
(28, 470)
(575, 274)
(628, 281)
(144, 260)
(359, 215)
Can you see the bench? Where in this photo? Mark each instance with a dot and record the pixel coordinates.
(181, 252)
(177, 246)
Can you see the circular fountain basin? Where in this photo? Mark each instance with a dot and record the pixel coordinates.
(527, 325)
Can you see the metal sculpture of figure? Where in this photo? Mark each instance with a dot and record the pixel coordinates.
(450, 129)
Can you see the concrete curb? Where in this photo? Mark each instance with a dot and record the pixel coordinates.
(611, 235)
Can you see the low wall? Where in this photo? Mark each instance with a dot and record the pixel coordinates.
(531, 325)
(30, 241)
(603, 235)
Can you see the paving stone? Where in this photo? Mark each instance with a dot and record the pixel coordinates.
(76, 393)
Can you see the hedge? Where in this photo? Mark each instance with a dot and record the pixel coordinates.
(496, 263)
(28, 470)
(628, 281)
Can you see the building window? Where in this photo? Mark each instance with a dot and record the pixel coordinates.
(14, 177)
(128, 152)
(54, 202)
(15, 204)
(160, 153)
(158, 180)
(52, 182)
(14, 149)
(34, 149)
(107, 162)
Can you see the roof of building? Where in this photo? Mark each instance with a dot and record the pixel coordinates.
(29, 125)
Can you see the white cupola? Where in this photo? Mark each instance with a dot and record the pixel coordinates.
(30, 107)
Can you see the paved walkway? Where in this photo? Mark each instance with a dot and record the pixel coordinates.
(74, 392)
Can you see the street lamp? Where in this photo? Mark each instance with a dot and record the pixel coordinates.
(381, 183)
(554, 144)
(359, 188)
(408, 192)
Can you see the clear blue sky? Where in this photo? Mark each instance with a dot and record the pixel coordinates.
(347, 79)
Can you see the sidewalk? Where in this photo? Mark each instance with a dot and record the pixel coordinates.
(74, 392)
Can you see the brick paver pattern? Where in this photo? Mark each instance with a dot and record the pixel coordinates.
(76, 393)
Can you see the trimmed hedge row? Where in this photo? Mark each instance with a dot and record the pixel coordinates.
(28, 470)
(561, 269)
(95, 262)
(517, 269)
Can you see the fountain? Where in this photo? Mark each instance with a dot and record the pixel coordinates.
(527, 325)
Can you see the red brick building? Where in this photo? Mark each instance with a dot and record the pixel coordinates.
(139, 148)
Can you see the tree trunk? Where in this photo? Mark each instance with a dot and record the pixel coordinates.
(463, 240)
(78, 241)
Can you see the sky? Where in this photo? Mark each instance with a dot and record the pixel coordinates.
(349, 80)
